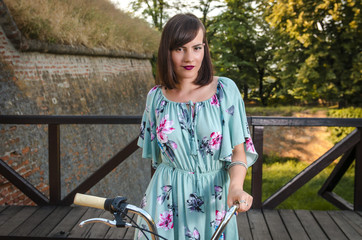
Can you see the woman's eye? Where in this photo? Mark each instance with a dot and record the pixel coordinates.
(179, 49)
(198, 48)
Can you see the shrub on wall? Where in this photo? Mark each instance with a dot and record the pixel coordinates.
(90, 23)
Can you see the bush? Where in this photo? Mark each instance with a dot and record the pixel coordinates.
(338, 133)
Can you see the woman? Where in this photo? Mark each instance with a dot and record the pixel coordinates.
(195, 131)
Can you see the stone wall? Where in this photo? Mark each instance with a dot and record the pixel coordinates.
(34, 83)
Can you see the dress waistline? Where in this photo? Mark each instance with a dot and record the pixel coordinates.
(196, 172)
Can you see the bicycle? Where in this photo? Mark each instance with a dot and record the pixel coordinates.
(119, 207)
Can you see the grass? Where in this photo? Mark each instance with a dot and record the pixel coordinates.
(278, 171)
(92, 23)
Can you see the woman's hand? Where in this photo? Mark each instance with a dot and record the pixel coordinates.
(237, 175)
(238, 195)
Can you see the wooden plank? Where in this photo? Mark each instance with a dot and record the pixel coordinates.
(358, 174)
(294, 227)
(243, 226)
(13, 222)
(46, 226)
(310, 225)
(54, 164)
(29, 224)
(128, 234)
(354, 219)
(8, 213)
(329, 227)
(343, 224)
(257, 168)
(69, 221)
(22, 184)
(3, 207)
(275, 224)
(81, 232)
(254, 121)
(259, 228)
(299, 121)
(69, 119)
(120, 233)
(99, 230)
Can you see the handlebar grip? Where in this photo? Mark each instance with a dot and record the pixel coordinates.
(89, 201)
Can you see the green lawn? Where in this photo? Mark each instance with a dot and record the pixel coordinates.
(277, 172)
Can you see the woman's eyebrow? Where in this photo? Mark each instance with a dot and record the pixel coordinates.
(196, 45)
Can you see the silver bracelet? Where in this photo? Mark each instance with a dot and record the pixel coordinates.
(232, 164)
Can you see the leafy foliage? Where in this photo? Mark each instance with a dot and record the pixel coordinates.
(242, 48)
(321, 46)
(338, 133)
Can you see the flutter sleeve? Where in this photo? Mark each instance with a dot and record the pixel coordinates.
(235, 125)
(147, 137)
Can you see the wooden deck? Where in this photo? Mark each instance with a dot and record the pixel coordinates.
(24, 222)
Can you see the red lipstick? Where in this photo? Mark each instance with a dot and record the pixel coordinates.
(190, 67)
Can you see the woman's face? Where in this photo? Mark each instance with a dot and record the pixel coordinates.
(187, 59)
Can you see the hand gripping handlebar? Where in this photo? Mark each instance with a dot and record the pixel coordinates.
(118, 207)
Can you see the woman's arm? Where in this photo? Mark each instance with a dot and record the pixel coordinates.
(237, 176)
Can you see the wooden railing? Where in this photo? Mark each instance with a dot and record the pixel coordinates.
(350, 148)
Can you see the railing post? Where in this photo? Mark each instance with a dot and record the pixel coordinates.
(257, 169)
(54, 164)
(358, 174)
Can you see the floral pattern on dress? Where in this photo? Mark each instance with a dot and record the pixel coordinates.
(165, 220)
(153, 89)
(194, 235)
(143, 202)
(219, 215)
(215, 140)
(204, 147)
(249, 145)
(207, 146)
(230, 110)
(185, 120)
(215, 101)
(166, 190)
(174, 209)
(149, 130)
(194, 203)
(167, 146)
(218, 192)
(161, 107)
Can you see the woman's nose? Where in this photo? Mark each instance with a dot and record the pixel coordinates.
(188, 56)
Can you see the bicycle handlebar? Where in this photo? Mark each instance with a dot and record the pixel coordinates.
(118, 205)
(89, 201)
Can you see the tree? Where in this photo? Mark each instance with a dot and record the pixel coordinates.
(242, 48)
(323, 45)
(157, 10)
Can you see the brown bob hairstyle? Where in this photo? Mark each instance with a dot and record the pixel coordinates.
(179, 30)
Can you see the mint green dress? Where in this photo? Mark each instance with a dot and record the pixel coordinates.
(190, 145)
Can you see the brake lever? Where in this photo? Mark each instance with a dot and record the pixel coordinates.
(111, 223)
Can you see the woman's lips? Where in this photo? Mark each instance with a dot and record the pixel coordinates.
(189, 67)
